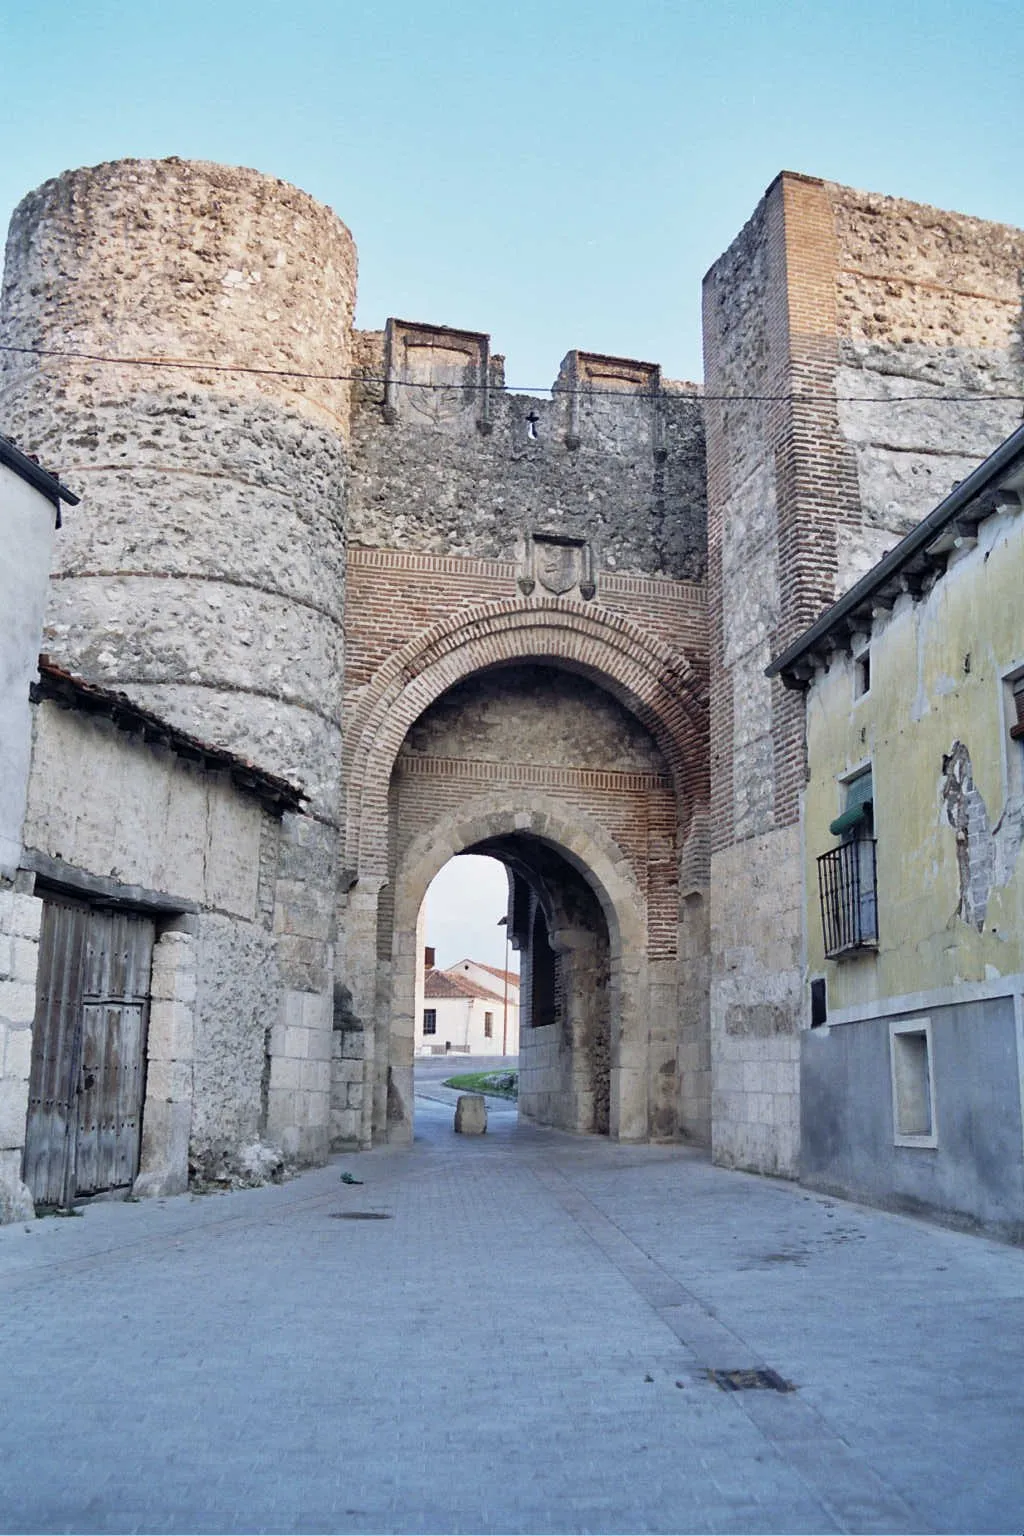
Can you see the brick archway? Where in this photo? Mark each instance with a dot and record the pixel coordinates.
(661, 687)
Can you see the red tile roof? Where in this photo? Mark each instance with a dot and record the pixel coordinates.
(450, 984)
(512, 976)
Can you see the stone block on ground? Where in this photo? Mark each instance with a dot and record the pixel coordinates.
(471, 1114)
(15, 1199)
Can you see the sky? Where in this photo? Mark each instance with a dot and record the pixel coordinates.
(464, 904)
(558, 173)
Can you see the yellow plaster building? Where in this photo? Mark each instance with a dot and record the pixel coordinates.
(913, 821)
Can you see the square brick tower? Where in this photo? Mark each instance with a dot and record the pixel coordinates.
(859, 352)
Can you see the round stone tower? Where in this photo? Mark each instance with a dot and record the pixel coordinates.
(203, 572)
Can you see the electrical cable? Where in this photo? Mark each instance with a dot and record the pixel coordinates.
(209, 366)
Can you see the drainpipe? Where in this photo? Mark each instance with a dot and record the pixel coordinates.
(504, 1013)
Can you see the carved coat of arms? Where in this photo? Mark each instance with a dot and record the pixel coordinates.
(559, 566)
(433, 378)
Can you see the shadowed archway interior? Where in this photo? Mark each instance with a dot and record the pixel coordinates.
(536, 766)
(557, 925)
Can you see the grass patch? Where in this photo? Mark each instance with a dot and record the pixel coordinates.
(501, 1085)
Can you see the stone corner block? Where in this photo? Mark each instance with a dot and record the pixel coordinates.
(26, 916)
(16, 1203)
(471, 1114)
(166, 1130)
(17, 1002)
(13, 1111)
(160, 1182)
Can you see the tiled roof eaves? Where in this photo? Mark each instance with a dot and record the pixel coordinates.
(513, 979)
(910, 562)
(444, 984)
(509, 976)
(39, 478)
(72, 692)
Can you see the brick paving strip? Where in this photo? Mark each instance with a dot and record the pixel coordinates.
(502, 1353)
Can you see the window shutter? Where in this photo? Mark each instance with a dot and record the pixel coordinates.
(1017, 731)
(859, 802)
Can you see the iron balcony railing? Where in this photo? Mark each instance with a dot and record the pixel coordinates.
(849, 904)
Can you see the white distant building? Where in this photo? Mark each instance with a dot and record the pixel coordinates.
(470, 1008)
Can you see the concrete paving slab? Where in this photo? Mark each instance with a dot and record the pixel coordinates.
(520, 1344)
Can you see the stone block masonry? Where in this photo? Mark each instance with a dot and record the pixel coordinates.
(495, 532)
(221, 608)
(170, 1078)
(20, 918)
(471, 1114)
(627, 474)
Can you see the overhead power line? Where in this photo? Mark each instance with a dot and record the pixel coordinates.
(208, 365)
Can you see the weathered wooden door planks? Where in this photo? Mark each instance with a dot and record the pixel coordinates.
(88, 1056)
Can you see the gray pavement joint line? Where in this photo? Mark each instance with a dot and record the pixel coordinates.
(208, 1225)
(816, 1453)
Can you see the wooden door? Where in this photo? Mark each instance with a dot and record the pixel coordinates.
(118, 954)
(88, 1058)
(56, 1054)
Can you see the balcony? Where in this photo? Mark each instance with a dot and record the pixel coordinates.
(849, 905)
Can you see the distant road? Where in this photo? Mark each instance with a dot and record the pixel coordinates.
(431, 1070)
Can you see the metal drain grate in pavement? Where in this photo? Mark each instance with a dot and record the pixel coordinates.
(360, 1215)
(741, 1381)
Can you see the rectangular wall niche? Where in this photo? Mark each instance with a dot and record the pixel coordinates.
(1013, 712)
(437, 377)
(913, 1088)
(614, 403)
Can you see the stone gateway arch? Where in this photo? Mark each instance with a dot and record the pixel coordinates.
(457, 618)
(539, 724)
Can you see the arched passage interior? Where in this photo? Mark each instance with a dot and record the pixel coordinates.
(555, 924)
(542, 768)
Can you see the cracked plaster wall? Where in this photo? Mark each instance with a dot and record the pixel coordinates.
(986, 854)
(948, 810)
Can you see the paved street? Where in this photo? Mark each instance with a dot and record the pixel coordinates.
(520, 1345)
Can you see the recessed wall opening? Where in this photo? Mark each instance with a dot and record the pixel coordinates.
(912, 1087)
(862, 672)
(819, 1002)
(562, 936)
(545, 1001)
(511, 897)
(1013, 713)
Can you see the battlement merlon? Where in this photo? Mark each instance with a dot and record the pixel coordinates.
(446, 460)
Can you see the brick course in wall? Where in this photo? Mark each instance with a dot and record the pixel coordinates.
(419, 624)
(666, 687)
(637, 810)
